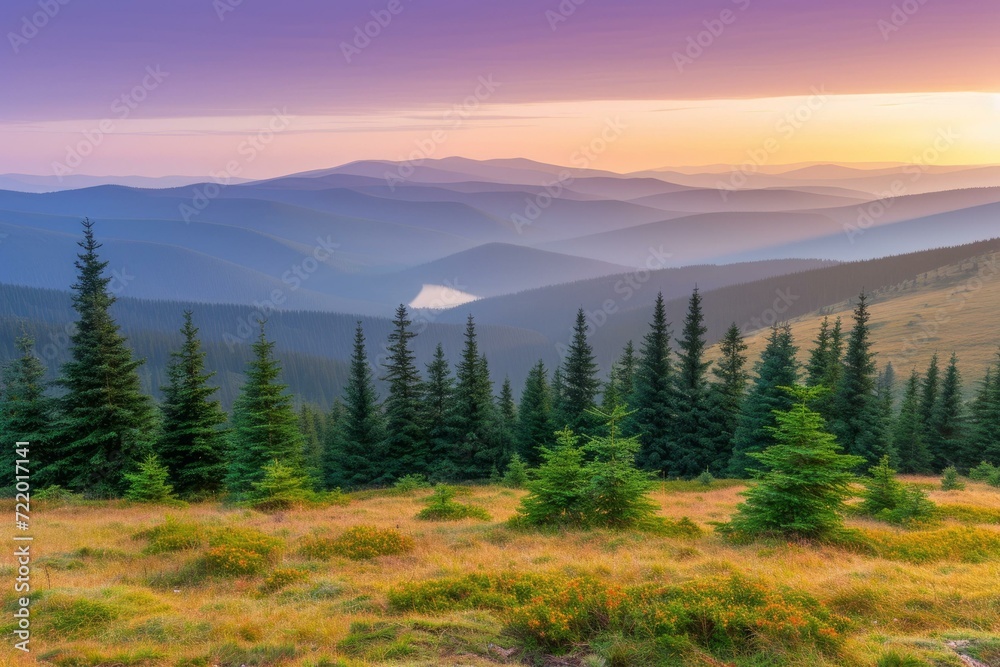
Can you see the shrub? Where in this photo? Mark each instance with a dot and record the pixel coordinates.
(806, 479)
(357, 543)
(497, 591)
(556, 494)
(281, 488)
(409, 483)
(172, 535)
(706, 478)
(237, 552)
(149, 484)
(950, 480)
(57, 496)
(887, 499)
(441, 506)
(986, 472)
(516, 475)
(281, 577)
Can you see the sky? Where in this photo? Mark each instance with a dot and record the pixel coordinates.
(262, 88)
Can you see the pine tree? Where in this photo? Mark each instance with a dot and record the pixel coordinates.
(506, 420)
(149, 484)
(727, 393)
(859, 422)
(107, 426)
(832, 372)
(818, 367)
(929, 394)
(944, 428)
(265, 427)
(610, 395)
(475, 454)
(580, 383)
(885, 386)
(192, 446)
(654, 398)
(312, 429)
(334, 440)
(557, 495)
(534, 417)
(693, 447)
(776, 368)
(557, 396)
(982, 435)
(908, 432)
(805, 479)
(621, 379)
(350, 456)
(404, 451)
(438, 393)
(25, 411)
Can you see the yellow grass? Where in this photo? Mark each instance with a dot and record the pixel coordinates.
(894, 604)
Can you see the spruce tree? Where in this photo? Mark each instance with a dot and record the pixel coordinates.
(805, 479)
(192, 446)
(107, 426)
(727, 393)
(624, 374)
(438, 393)
(982, 435)
(817, 368)
(534, 417)
(610, 395)
(350, 461)
(929, 394)
(25, 411)
(557, 396)
(654, 397)
(475, 451)
(944, 428)
(333, 445)
(693, 447)
(506, 420)
(312, 428)
(859, 422)
(149, 484)
(908, 432)
(580, 383)
(265, 426)
(404, 451)
(776, 368)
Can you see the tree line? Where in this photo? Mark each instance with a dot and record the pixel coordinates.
(95, 428)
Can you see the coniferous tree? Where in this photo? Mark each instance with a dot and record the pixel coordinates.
(438, 393)
(610, 395)
(580, 383)
(624, 375)
(805, 479)
(776, 368)
(693, 447)
(25, 410)
(506, 417)
(727, 393)
(333, 445)
(472, 417)
(192, 445)
(350, 454)
(830, 370)
(404, 449)
(885, 386)
(107, 426)
(929, 394)
(534, 417)
(557, 397)
(265, 427)
(944, 428)
(818, 367)
(149, 483)
(654, 397)
(982, 436)
(859, 422)
(908, 432)
(311, 427)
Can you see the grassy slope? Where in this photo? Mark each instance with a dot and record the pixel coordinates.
(954, 313)
(895, 604)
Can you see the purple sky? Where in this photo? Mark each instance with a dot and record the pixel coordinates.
(266, 54)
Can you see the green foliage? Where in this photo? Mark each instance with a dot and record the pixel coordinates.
(441, 506)
(282, 577)
(25, 410)
(556, 495)
(238, 552)
(950, 481)
(495, 591)
(580, 383)
(265, 428)
(776, 368)
(986, 472)
(516, 475)
(944, 434)
(361, 542)
(966, 544)
(149, 484)
(172, 535)
(654, 396)
(805, 479)
(858, 418)
(476, 450)
(281, 488)
(908, 431)
(727, 393)
(404, 447)
(191, 446)
(534, 415)
(410, 483)
(106, 425)
(705, 479)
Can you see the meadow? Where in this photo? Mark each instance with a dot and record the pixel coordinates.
(206, 585)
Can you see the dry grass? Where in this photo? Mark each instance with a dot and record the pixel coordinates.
(335, 613)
